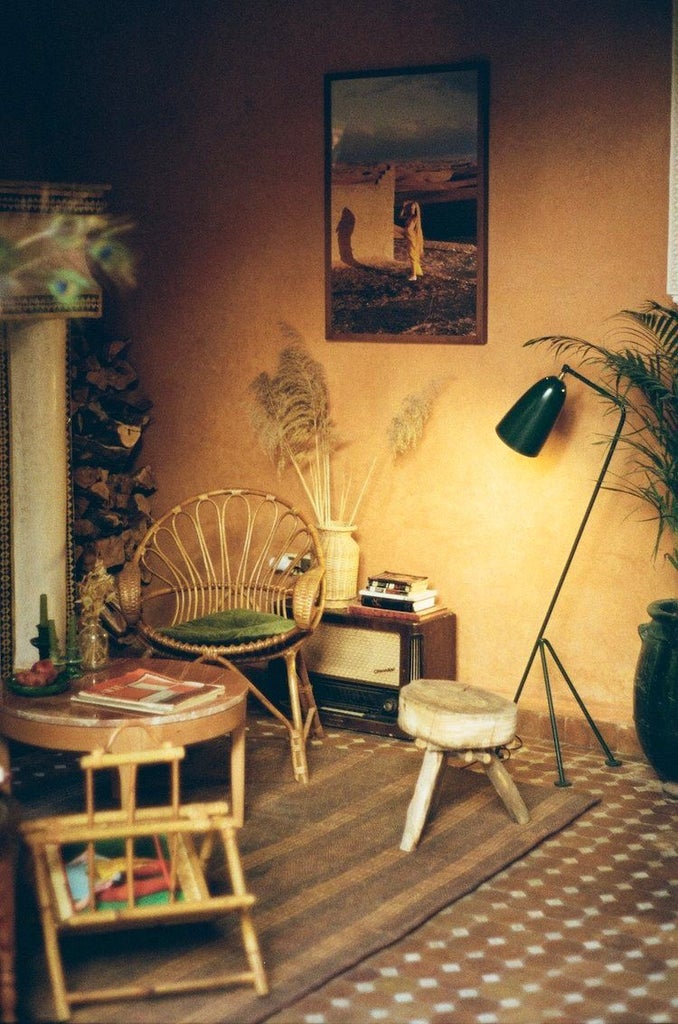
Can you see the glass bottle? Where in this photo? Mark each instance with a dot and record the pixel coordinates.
(93, 644)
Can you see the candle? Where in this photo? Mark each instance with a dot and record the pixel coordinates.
(71, 637)
(43, 610)
(53, 642)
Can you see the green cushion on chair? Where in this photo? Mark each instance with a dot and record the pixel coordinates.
(238, 626)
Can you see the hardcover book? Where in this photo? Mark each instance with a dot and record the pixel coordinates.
(150, 692)
(391, 613)
(397, 583)
(396, 602)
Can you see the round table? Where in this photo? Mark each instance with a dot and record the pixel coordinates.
(57, 723)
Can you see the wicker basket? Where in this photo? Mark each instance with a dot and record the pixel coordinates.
(342, 558)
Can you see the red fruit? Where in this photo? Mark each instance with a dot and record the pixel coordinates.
(29, 678)
(46, 670)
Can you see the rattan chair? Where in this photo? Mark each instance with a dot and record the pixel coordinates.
(130, 867)
(237, 575)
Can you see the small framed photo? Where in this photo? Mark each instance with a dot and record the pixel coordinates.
(406, 204)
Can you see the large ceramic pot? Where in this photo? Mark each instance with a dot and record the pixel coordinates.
(655, 701)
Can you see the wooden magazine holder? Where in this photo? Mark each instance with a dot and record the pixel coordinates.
(185, 835)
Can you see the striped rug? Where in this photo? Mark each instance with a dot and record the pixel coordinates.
(324, 861)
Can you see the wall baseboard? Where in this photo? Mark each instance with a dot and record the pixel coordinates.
(574, 730)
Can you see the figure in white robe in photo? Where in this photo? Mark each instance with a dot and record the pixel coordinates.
(414, 237)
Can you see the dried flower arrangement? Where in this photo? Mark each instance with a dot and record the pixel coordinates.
(291, 417)
(95, 589)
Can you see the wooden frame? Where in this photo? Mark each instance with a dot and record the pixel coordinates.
(672, 268)
(406, 152)
(181, 840)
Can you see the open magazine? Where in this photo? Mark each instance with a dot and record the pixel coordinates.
(150, 692)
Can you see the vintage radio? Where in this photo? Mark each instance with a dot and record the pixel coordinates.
(357, 664)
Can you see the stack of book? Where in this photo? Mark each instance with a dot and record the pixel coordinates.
(399, 592)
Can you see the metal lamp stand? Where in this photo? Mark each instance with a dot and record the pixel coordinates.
(542, 644)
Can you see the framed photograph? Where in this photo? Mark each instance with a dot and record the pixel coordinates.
(405, 200)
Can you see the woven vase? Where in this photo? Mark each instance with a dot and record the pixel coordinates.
(342, 556)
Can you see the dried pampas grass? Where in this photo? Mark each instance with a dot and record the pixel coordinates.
(407, 426)
(292, 421)
(291, 417)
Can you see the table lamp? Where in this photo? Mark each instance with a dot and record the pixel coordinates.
(525, 428)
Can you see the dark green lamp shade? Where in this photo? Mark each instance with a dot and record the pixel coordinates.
(526, 426)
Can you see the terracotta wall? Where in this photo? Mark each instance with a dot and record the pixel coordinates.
(206, 117)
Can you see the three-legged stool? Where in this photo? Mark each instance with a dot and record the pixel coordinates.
(450, 718)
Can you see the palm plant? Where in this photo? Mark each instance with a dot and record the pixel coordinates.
(641, 373)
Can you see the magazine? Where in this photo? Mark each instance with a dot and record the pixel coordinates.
(150, 692)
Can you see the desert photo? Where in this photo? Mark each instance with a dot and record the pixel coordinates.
(375, 296)
(405, 211)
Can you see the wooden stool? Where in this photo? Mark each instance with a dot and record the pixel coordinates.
(448, 718)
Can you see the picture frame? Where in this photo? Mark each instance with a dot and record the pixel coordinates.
(406, 204)
(672, 264)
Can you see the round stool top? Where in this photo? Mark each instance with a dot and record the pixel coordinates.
(455, 716)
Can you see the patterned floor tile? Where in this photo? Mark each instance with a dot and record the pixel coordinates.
(580, 931)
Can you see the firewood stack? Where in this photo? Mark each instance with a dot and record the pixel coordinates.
(111, 506)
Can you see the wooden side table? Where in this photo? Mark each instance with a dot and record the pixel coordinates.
(57, 723)
(358, 663)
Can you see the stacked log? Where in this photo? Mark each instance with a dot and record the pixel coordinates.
(109, 412)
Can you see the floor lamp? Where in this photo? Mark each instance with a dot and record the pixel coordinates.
(525, 428)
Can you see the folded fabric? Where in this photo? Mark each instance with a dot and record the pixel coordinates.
(147, 878)
(110, 878)
(77, 875)
(239, 625)
(152, 899)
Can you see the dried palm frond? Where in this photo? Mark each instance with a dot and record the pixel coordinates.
(291, 417)
(407, 426)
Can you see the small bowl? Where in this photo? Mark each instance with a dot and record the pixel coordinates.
(57, 686)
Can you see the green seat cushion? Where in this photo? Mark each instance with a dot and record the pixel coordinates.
(237, 626)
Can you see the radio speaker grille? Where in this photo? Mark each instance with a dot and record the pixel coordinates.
(348, 652)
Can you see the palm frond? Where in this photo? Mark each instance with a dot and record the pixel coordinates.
(659, 323)
(641, 374)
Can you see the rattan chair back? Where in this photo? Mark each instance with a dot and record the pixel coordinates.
(233, 549)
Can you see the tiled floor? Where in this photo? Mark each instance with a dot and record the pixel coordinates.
(582, 930)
